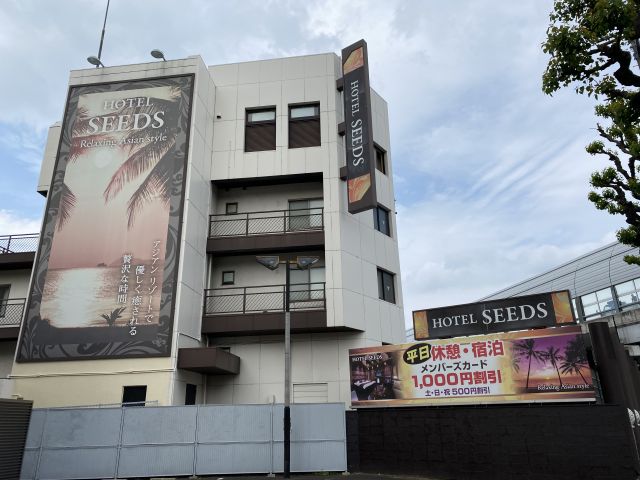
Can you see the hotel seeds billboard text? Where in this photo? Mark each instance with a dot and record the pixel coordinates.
(527, 366)
(105, 274)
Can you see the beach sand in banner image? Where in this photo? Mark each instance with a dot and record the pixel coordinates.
(111, 207)
(551, 364)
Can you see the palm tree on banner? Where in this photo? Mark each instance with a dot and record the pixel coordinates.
(552, 355)
(575, 359)
(152, 157)
(79, 133)
(527, 349)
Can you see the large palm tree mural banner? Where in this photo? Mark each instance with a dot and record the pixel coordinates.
(106, 270)
(528, 366)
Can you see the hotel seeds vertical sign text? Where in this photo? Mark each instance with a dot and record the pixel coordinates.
(361, 184)
(105, 274)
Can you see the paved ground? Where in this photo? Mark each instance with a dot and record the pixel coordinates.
(353, 476)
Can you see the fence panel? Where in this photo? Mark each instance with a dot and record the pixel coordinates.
(87, 443)
(233, 439)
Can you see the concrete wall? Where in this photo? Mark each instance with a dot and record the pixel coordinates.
(315, 358)
(265, 198)
(18, 281)
(353, 248)
(49, 158)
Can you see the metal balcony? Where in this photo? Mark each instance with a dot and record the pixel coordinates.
(259, 310)
(11, 312)
(267, 231)
(18, 251)
(18, 243)
(261, 223)
(269, 298)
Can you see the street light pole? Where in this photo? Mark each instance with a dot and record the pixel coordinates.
(272, 263)
(287, 373)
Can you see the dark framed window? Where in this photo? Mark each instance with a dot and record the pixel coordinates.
(190, 394)
(386, 287)
(381, 220)
(306, 214)
(228, 278)
(381, 159)
(304, 125)
(260, 130)
(134, 395)
(231, 208)
(4, 296)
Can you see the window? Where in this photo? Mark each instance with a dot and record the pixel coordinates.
(231, 208)
(597, 303)
(307, 285)
(381, 160)
(305, 214)
(4, 296)
(260, 130)
(304, 125)
(228, 278)
(381, 220)
(190, 394)
(628, 293)
(386, 288)
(134, 395)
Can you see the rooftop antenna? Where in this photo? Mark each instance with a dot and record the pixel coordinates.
(104, 25)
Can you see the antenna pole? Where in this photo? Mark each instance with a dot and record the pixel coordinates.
(104, 25)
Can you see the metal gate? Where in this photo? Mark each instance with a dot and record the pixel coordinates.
(14, 421)
(74, 443)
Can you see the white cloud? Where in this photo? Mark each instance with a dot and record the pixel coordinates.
(12, 223)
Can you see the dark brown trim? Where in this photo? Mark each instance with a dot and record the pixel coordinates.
(343, 173)
(17, 261)
(266, 181)
(208, 360)
(284, 242)
(9, 333)
(272, 323)
(342, 129)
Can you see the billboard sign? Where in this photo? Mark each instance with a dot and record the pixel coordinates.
(516, 313)
(535, 366)
(106, 270)
(361, 179)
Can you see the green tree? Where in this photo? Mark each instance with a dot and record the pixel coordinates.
(592, 44)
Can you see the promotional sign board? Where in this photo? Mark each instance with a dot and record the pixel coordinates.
(105, 273)
(361, 179)
(516, 313)
(535, 366)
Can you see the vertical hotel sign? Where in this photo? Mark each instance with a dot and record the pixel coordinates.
(106, 270)
(361, 180)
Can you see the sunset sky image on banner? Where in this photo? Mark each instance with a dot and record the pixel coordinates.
(105, 274)
(527, 366)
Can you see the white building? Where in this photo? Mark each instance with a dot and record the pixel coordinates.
(265, 175)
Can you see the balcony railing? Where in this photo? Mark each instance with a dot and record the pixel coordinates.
(269, 298)
(18, 243)
(11, 312)
(267, 222)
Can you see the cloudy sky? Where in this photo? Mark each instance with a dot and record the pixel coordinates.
(491, 175)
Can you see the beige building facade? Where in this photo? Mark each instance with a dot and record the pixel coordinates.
(265, 176)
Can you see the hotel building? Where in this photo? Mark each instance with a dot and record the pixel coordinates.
(265, 175)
